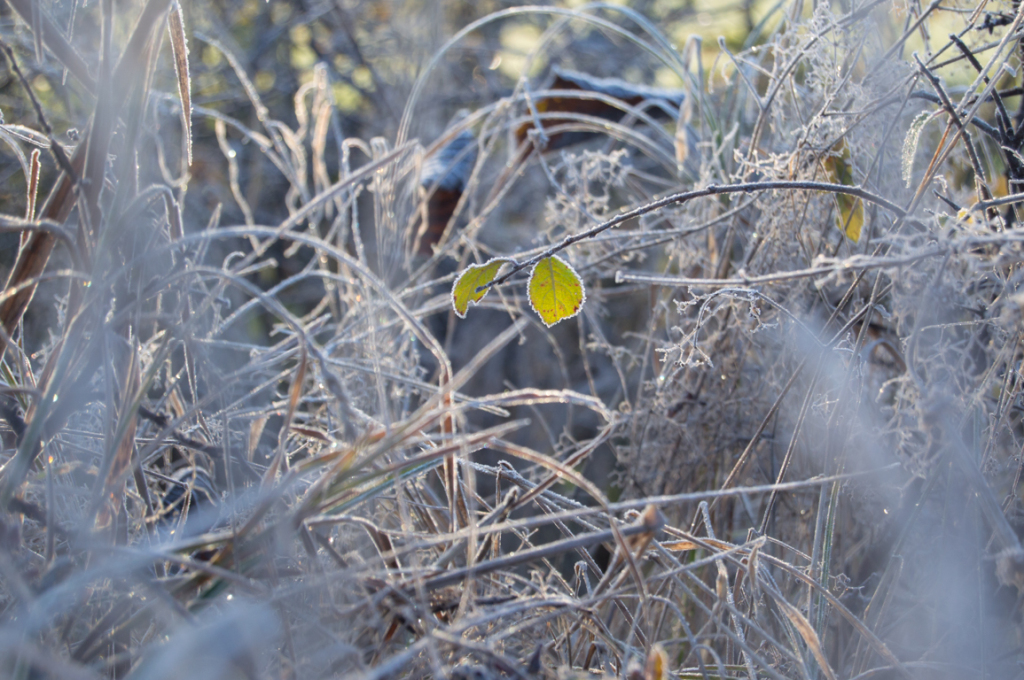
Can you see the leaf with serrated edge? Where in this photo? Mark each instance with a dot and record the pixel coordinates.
(465, 290)
(555, 290)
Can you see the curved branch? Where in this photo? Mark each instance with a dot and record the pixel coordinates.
(685, 196)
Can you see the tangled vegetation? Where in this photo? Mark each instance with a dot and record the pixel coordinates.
(385, 339)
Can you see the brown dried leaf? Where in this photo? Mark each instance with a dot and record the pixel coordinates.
(255, 432)
(680, 546)
(33, 186)
(179, 46)
(113, 486)
(294, 395)
(806, 631)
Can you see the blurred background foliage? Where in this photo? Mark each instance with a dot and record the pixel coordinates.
(372, 53)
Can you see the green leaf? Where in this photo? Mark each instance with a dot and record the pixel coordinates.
(468, 288)
(555, 290)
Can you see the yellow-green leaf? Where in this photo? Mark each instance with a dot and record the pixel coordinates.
(555, 290)
(656, 667)
(468, 288)
(851, 216)
(851, 209)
